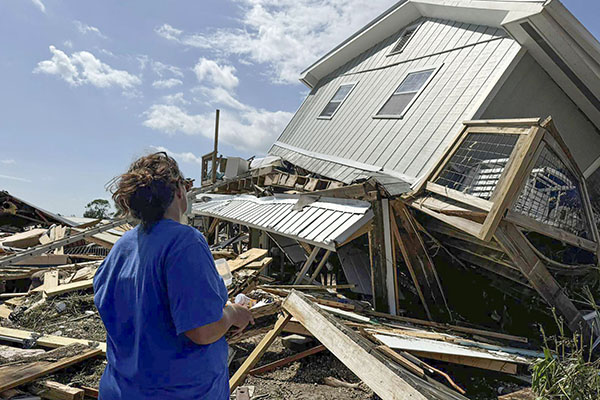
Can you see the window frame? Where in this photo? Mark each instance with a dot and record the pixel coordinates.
(353, 83)
(435, 69)
(416, 26)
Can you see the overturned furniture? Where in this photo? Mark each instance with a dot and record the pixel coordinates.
(509, 199)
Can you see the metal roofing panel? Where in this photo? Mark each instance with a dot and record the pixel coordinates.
(322, 223)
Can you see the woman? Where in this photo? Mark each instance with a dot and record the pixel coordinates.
(160, 296)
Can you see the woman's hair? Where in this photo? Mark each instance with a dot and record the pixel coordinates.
(147, 189)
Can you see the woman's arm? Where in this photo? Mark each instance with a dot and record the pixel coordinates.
(233, 315)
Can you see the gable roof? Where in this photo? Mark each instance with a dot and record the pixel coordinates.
(553, 36)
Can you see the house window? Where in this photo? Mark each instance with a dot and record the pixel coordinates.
(405, 37)
(405, 94)
(337, 100)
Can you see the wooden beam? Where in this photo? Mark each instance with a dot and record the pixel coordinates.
(320, 266)
(382, 375)
(69, 287)
(415, 254)
(56, 391)
(50, 341)
(287, 360)
(516, 246)
(515, 172)
(307, 265)
(491, 365)
(13, 376)
(378, 260)
(240, 375)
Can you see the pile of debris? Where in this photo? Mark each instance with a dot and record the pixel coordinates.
(305, 334)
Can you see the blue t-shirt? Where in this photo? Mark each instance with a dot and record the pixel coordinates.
(150, 289)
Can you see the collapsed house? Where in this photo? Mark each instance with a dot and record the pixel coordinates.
(466, 126)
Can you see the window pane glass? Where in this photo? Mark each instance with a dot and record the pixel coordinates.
(342, 92)
(396, 104)
(330, 109)
(414, 82)
(337, 99)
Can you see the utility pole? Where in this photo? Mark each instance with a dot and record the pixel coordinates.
(216, 149)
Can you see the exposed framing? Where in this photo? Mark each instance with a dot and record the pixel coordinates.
(533, 137)
(435, 69)
(353, 83)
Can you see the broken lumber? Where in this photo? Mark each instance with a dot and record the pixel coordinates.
(240, 375)
(13, 376)
(383, 376)
(287, 360)
(246, 258)
(69, 287)
(50, 341)
(56, 391)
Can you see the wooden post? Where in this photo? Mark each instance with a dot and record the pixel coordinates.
(216, 148)
(515, 244)
(378, 261)
(307, 264)
(417, 259)
(320, 266)
(240, 375)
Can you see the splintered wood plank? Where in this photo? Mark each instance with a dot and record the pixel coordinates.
(348, 347)
(240, 375)
(70, 287)
(246, 258)
(50, 341)
(13, 376)
(56, 391)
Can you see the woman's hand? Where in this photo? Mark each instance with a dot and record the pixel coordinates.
(240, 317)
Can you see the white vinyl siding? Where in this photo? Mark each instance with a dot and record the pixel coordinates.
(336, 101)
(473, 57)
(402, 98)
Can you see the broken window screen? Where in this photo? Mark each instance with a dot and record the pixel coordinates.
(337, 99)
(552, 195)
(408, 89)
(478, 163)
(404, 39)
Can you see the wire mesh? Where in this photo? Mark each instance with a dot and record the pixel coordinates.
(552, 195)
(478, 163)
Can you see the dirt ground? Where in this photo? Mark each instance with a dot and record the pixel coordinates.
(302, 379)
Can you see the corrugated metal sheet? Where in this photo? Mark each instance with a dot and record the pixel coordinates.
(472, 59)
(324, 223)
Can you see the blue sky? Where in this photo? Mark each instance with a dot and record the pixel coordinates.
(88, 86)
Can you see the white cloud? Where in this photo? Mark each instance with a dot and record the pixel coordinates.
(14, 178)
(285, 35)
(253, 129)
(168, 32)
(85, 29)
(166, 83)
(160, 69)
(84, 68)
(176, 98)
(7, 162)
(219, 95)
(68, 43)
(218, 75)
(185, 157)
(40, 5)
